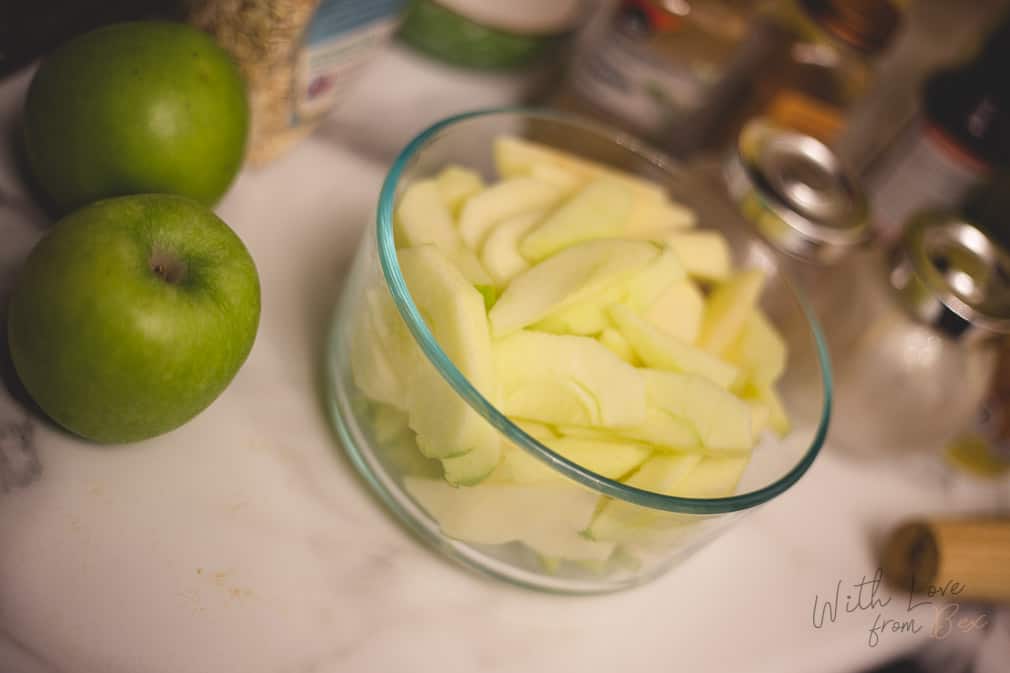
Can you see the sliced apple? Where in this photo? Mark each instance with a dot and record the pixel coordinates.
(759, 350)
(722, 421)
(678, 311)
(626, 522)
(618, 345)
(729, 307)
(646, 286)
(610, 458)
(454, 311)
(778, 419)
(456, 184)
(571, 276)
(662, 351)
(546, 517)
(383, 352)
(422, 217)
(598, 210)
(704, 253)
(500, 254)
(712, 477)
(568, 380)
(556, 175)
(656, 220)
(660, 429)
(482, 211)
(516, 157)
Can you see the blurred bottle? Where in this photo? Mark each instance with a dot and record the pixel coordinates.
(488, 34)
(804, 67)
(960, 137)
(652, 65)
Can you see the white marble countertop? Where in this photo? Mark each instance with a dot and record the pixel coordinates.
(245, 542)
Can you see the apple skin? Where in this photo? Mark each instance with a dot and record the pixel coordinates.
(132, 316)
(135, 108)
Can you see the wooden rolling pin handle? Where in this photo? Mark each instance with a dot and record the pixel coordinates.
(975, 553)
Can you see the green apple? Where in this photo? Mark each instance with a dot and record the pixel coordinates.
(728, 308)
(133, 315)
(678, 311)
(136, 108)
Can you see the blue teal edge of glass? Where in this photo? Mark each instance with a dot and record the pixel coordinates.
(603, 485)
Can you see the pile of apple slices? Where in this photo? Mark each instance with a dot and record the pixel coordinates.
(582, 302)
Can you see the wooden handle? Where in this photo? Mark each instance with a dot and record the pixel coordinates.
(975, 553)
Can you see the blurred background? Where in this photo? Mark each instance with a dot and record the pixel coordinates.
(909, 99)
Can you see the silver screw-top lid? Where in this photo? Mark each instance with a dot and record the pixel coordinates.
(951, 275)
(796, 193)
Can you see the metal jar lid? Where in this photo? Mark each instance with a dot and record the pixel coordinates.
(951, 275)
(796, 193)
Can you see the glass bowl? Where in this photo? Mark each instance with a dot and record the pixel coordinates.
(538, 534)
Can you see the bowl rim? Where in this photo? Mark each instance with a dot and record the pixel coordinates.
(408, 311)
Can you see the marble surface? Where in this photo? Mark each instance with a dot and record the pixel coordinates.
(245, 542)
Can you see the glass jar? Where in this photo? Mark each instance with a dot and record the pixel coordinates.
(541, 531)
(912, 332)
(651, 68)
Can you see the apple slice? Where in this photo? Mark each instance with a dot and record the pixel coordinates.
(760, 418)
(646, 286)
(660, 430)
(662, 351)
(556, 175)
(500, 254)
(423, 217)
(712, 477)
(383, 352)
(759, 351)
(626, 522)
(456, 184)
(598, 210)
(571, 380)
(678, 311)
(567, 278)
(516, 156)
(610, 458)
(454, 312)
(722, 421)
(482, 211)
(656, 220)
(729, 306)
(704, 253)
(618, 345)
(547, 517)
(472, 467)
(778, 419)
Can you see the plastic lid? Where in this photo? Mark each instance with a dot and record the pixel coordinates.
(950, 274)
(795, 191)
(866, 25)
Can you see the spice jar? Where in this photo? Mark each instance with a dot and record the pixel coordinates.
(912, 332)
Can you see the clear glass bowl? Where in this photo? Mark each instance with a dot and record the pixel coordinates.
(534, 535)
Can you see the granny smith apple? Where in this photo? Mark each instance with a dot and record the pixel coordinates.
(133, 315)
(135, 108)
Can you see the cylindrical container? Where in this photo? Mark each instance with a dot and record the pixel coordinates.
(912, 334)
(803, 66)
(960, 137)
(298, 57)
(653, 65)
(541, 528)
(487, 33)
(969, 559)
